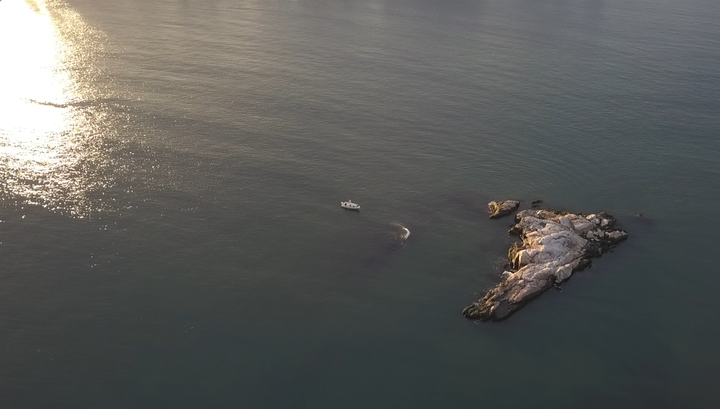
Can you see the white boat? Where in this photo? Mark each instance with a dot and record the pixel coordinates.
(350, 205)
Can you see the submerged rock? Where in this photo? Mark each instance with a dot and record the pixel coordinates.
(504, 208)
(554, 245)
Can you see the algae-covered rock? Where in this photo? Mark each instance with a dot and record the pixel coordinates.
(504, 208)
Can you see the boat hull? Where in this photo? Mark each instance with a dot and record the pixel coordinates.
(350, 206)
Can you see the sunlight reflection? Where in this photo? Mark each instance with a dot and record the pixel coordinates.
(47, 143)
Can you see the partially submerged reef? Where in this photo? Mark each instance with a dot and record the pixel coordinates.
(554, 244)
(504, 208)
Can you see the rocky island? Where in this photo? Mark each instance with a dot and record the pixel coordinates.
(554, 244)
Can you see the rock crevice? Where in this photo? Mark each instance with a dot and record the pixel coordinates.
(553, 245)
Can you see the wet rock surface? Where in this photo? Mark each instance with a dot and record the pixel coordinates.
(503, 208)
(554, 244)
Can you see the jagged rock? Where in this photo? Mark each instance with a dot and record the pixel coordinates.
(504, 208)
(535, 203)
(554, 245)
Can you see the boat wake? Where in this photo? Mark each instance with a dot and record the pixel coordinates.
(401, 232)
(80, 104)
(399, 235)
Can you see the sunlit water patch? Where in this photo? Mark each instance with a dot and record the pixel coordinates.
(56, 142)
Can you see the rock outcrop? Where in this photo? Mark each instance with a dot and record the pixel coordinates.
(554, 245)
(504, 208)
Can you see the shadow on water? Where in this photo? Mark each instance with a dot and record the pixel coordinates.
(372, 247)
(384, 241)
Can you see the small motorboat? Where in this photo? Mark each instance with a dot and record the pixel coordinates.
(349, 205)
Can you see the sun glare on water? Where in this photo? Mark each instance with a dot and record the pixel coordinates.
(33, 56)
(47, 143)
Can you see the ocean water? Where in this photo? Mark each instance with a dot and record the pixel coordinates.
(170, 179)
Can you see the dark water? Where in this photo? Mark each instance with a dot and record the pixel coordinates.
(171, 172)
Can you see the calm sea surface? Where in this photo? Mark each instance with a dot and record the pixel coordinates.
(170, 179)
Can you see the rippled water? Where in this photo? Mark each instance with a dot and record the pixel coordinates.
(170, 174)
